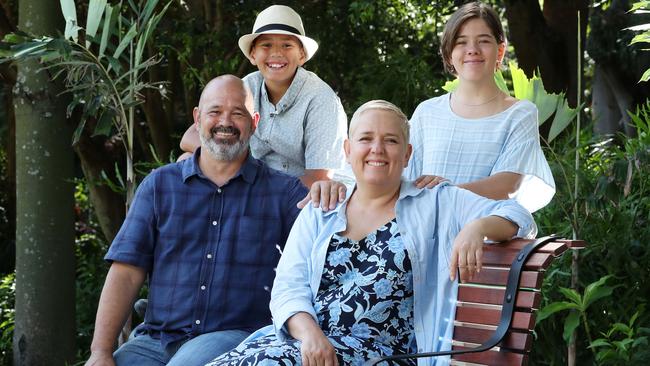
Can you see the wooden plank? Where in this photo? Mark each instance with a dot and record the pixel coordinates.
(504, 258)
(501, 358)
(512, 340)
(485, 295)
(556, 247)
(574, 244)
(521, 320)
(499, 276)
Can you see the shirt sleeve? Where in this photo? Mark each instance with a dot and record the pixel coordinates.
(469, 207)
(296, 193)
(414, 169)
(291, 291)
(134, 243)
(523, 154)
(325, 130)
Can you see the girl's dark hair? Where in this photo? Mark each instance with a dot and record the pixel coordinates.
(466, 12)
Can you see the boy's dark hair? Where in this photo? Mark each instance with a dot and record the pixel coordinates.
(466, 12)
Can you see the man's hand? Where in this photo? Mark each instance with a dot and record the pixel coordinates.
(429, 181)
(467, 252)
(316, 350)
(324, 193)
(100, 358)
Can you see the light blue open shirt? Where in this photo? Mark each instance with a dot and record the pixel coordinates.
(428, 238)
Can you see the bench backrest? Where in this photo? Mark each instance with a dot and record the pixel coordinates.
(479, 302)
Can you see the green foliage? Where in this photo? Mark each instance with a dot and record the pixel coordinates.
(644, 37)
(613, 217)
(623, 343)
(7, 298)
(577, 302)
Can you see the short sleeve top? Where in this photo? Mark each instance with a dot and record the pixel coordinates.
(304, 130)
(464, 150)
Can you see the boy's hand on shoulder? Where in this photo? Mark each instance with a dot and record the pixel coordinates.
(324, 193)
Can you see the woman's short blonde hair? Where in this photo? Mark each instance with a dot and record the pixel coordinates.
(381, 105)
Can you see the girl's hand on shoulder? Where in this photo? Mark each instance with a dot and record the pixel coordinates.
(429, 181)
(316, 350)
(467, 252)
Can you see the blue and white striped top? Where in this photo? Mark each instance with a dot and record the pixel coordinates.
(464, 150)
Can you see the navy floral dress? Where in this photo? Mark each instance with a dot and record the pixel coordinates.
(364, 305)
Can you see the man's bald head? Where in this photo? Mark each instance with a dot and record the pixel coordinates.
(231, 83)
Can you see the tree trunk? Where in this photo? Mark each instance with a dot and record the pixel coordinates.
(45, 266)
(97, 155)
(546, 40)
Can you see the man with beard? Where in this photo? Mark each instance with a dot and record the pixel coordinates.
(207, 231)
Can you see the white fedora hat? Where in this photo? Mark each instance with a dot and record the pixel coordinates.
(278, 19)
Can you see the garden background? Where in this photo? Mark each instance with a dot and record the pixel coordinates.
(133, 70)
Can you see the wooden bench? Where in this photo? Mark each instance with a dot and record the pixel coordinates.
(482, 320)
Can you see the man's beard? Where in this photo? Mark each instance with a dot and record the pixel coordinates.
(222, 149)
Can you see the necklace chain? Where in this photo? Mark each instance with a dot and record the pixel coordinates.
(479, 104)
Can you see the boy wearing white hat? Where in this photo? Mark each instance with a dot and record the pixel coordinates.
(302, 122)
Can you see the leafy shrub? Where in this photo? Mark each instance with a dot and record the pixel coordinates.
(613, 215)
(7, 299)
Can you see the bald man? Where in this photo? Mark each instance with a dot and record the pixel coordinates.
(207, 231)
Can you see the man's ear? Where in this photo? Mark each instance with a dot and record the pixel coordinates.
(197, 118)
(256, 120)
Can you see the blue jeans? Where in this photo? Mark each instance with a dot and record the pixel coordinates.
(143, 350)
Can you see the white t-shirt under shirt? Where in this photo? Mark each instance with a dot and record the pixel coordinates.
(464, 150)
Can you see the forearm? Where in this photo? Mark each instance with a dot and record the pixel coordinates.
(495, 228)
(122, 284)
(302, 325)
(313, 175)
(190, 140)
(497, 187)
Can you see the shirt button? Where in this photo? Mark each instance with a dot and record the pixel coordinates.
(197, 322)
(209, 256)
(214, 223)
(202, 287)
(218, 190)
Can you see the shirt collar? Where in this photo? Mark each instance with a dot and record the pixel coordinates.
(248, 170)
(290, 96)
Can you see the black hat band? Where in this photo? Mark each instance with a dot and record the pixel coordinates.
(274, 26)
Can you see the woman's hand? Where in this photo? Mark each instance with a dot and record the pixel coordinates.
(467, 252)
(316, 350)
(429, 181)
(324, 193)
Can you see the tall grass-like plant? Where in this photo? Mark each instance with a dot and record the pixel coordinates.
(102, 65)
(643, 37)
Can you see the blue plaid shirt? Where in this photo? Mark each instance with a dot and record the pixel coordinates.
(210, 251)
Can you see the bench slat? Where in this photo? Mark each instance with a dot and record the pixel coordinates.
(536, 261)
(520, 320)
(513, 340)
(494, 276)
(500, 358)
(574, 244)
(494, 296)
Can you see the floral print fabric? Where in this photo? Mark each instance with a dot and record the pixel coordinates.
(364, 305)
